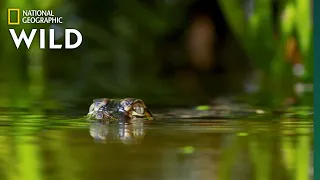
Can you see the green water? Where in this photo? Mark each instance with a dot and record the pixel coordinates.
(59, 148)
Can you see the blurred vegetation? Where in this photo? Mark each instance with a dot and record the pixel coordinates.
(265, 35)
(125, 45)
(262, 52)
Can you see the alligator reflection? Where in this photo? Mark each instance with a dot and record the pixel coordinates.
(127, 133)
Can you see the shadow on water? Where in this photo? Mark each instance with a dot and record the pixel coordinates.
(39, 147)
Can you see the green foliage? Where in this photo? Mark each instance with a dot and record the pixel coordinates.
(257, 35)
(119, 56)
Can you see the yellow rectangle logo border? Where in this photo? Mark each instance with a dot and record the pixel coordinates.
(18, 17)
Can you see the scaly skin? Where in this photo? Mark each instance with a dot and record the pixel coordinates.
(122, 110)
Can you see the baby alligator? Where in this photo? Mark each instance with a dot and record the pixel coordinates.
(122, 110)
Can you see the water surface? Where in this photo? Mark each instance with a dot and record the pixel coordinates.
(60, 148)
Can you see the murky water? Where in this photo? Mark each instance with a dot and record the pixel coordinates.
(57, 148)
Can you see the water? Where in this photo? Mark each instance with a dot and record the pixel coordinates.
(59, 148)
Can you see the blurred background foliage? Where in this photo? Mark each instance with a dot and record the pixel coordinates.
(164, 52)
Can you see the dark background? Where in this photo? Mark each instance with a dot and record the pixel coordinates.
(168, 53)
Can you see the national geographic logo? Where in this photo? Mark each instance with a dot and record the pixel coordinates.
(13, 16)
(17, 16)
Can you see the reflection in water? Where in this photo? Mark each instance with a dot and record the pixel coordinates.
(186, 151)
(127, 133)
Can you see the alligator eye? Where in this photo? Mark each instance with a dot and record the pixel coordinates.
(138, 108)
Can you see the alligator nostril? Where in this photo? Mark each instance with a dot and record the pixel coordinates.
(99, 116)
